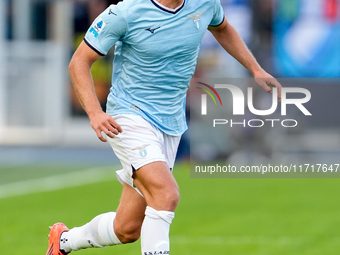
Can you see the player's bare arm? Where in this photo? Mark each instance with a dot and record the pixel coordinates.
(231, 41)
(80, 71)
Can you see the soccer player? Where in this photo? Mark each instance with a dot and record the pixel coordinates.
(156, 47)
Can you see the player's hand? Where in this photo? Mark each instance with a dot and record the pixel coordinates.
(267, 82)
(103, 122)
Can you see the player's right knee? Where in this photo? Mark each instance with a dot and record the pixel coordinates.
(172, 199)
(166, 199)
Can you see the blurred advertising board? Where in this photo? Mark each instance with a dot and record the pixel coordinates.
(307, 38)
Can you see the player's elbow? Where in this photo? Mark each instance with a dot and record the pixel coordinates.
(72, 65)
(76, 66)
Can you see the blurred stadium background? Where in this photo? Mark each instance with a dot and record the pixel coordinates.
(53, 167)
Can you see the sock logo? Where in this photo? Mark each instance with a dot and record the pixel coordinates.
(64, 240)
(157, 253)
(89, 241)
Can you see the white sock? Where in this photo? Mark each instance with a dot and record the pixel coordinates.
(155, 231)
(97, 233)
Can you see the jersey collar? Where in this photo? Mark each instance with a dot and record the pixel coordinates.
(166, 9)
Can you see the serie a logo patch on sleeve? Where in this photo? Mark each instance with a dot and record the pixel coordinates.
(98, 27)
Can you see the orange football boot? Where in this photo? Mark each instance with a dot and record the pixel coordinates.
(54, 239)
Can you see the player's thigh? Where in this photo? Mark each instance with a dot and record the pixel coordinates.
(138, 145)
(130, 214)
(157, 185)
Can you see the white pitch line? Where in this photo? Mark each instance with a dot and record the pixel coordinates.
(57, 182)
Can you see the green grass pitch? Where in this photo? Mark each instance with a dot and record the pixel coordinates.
(215, 216)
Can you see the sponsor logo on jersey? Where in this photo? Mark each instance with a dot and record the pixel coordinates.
(196, 18)
(152, 30)
(111, 12)
(142, 150)
(98, 27)
(132, 106)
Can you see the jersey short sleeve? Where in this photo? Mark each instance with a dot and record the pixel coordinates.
(218, 17)
(109, 27)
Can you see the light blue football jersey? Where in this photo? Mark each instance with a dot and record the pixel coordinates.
(155, 56)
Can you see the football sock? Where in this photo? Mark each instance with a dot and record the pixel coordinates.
(155, 231)
(97, 233)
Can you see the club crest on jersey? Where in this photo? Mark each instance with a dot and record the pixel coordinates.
(196, 18)
(98, 27)
(142, 150)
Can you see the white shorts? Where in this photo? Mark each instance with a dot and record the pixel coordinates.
(139, 144)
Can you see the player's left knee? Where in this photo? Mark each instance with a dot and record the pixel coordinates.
(129, 237)
(128, 233)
